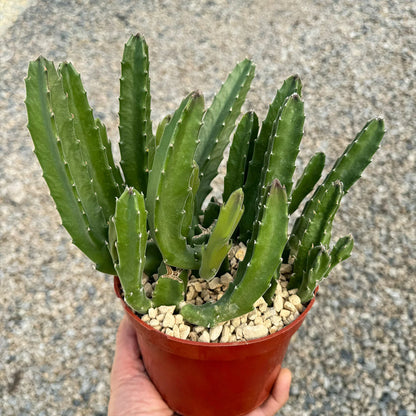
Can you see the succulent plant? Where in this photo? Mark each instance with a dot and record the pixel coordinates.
(151, 214)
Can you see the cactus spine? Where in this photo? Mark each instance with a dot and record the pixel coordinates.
(159, 224)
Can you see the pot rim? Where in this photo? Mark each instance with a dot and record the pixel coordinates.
(280, 332)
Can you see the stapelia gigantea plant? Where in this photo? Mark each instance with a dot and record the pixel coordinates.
(149, 215)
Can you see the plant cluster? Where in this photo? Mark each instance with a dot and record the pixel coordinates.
(150, 214)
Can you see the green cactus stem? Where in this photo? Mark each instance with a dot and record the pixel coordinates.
(347, 169)
(318, 230)
(240, 155)
(170, 288)
(190, 201)
(170, 185)
(211, 213)
(155, 143)
(153, 258)
(284, 148)
(88, 133)
(131, 236)
(262, 144)
(136, 137)
(269, 294)
(309, 178)
(256, 274)
(341, 251)
(109, 153)
(317, 268)
(218, 246)
(150, 215)
(218, 124)
(58, 150)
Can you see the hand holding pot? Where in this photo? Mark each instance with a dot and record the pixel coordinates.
(132, 392)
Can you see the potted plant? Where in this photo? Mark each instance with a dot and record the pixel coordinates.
(190, 269)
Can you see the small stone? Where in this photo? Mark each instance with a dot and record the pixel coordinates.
(199, 329)
(154, 323)
(252, 315)
(178, 319)
(152, 313)
(193, 336)
(258, 320)
(293, 291)
(215, 332)
(290, 318)
(278, 290)
(160, 317)
(284, 313)
(168, 331)
(236, 322)
(287, 305)
(146, 318)
(239, 332)
(269, 312)
(295, 300)
(258, 302)
(184, 331)
(300, 308)
(276, 321)
(204, 293)
(197, 286)
(148, 289)
(199, 301)
(241, 252)
(145, 278)
(263, 307)
(285, 268)
(278, 303)
(226, 333)
(256, 331)
(214, 283)
(204, 337)
(226, 279)
(191, 294)
(167, 309)
(267, 323)
(176, 332)
(168, 321)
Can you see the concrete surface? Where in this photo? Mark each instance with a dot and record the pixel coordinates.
(355, 354)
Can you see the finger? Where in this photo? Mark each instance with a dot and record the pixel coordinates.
(127, 355)
(279, 394)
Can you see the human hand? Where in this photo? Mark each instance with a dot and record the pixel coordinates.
(133, 393)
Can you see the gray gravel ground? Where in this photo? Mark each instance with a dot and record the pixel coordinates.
(355, 354)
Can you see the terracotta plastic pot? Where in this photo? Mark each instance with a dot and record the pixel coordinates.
(212, 379)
